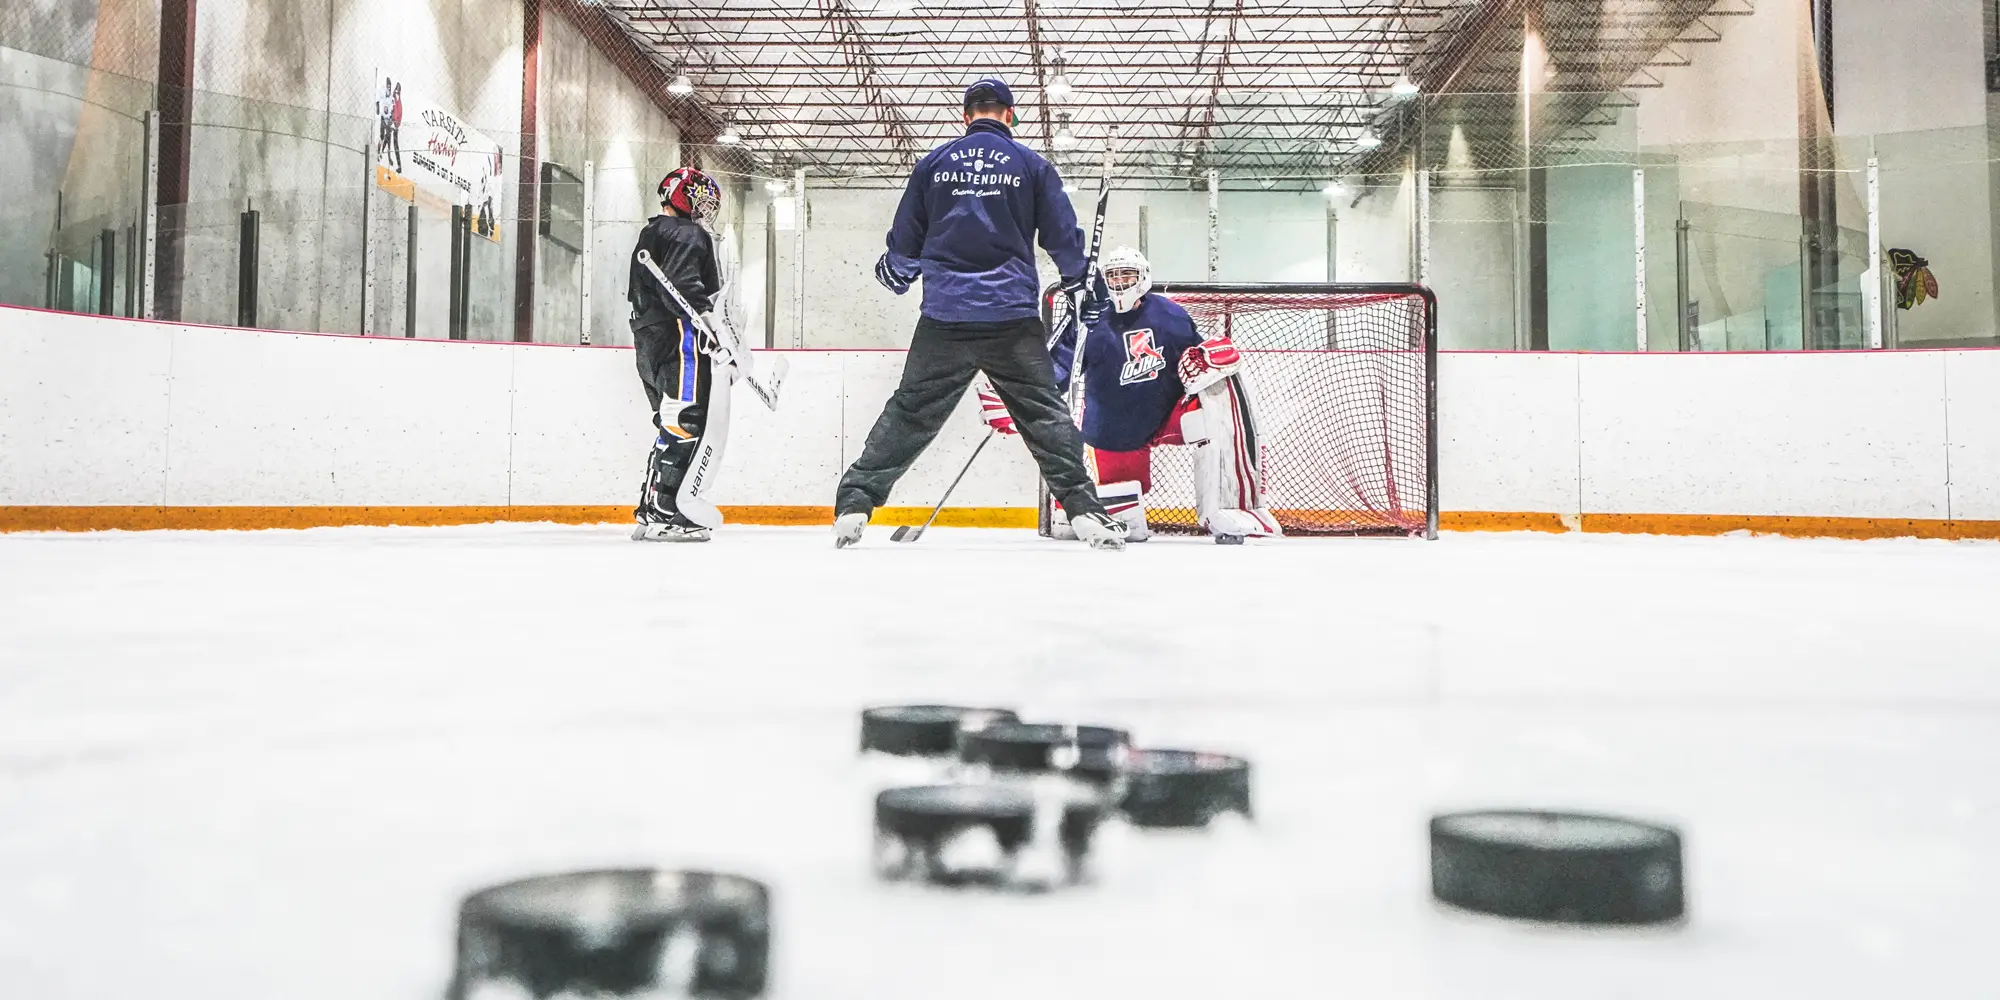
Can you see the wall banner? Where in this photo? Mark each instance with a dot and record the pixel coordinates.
(424, 151)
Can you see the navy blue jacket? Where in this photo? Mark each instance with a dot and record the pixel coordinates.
(967, 223)
(1131, 371)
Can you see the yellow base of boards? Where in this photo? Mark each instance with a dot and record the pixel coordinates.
(232, 518)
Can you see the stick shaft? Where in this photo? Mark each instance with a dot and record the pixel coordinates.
(1089, 271)
(935, 511)
(764, 392)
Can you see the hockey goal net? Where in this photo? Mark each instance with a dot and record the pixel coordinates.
(1343, 381)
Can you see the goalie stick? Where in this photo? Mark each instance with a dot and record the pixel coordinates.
(1044, 518)
(909, 534)
(723, 344)
(1089, 268)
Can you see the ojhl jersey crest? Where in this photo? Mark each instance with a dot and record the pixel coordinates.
(1143, 360)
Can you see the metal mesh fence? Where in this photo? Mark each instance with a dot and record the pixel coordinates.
(146, 140)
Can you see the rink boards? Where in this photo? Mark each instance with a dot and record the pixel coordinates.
(109, 423)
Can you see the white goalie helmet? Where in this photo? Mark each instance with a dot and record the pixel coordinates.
(1128, 276)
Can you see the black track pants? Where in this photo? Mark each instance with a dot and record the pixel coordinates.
(941, 363)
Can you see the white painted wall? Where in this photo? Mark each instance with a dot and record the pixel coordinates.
(1910, 89)
(1731, 118)
(119, 412)
(1264, 236)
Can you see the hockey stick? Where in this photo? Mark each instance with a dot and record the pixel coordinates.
(1089, 263)
(909, 534)
(725, 350)
(1043, 517)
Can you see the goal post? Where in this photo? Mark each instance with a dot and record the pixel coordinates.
(1344, 379)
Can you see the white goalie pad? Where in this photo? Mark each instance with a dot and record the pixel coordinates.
(707, 462)
(1123, 501)
(1228, 461)
(1126, 503)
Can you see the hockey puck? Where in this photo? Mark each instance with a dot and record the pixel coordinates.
(1183, 788)
(619, 932)
(923, 730)
(1229, 539)
(1093, 753)
(1561, 867)
(985, 834)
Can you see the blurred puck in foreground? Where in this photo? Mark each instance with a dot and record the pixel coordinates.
(1563, 867)
(923, 730)
(1183, 788)
(1029, 835)
(615, 933)
(1095, 753)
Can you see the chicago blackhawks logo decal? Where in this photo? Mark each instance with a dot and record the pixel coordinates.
(1143, 360)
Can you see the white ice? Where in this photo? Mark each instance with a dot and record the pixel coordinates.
(267, 765)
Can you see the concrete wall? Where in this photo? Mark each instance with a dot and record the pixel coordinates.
(592, 112)
(211, 416)
(285, 105)
(283, 110)
(75, 79)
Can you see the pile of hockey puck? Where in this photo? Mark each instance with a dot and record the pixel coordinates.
(1016, 804)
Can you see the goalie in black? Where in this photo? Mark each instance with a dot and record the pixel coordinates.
(675, 357)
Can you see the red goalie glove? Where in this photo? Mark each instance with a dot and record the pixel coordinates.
(992, 410)
(1207, 363)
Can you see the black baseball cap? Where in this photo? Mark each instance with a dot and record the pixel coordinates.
(991, 90)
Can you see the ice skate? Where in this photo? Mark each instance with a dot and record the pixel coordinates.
(847, 529)
(669, 528)
(1099, 531)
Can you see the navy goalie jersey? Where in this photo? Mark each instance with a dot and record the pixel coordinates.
(1131, 372)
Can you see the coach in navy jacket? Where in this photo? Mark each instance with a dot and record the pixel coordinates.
(967, 227)
(967, 223)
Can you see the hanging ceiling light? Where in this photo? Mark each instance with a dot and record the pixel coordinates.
(1334, 189)
(681, 87)
(1368, 140)
(1403, 87)
(729, 136)
(1064, 138)
(1058, 88)
(776, 188)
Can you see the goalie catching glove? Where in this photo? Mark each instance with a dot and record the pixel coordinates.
(1207, 363)
(992, 410)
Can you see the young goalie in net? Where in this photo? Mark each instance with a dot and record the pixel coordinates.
(1151, 379)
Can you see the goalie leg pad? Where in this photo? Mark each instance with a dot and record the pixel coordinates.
(1228, 470)
(704, 460)
(1126, 502)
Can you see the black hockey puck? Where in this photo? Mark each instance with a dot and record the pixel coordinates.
(1094, 753)
(616, 933)
(1563, 867)
(981, 834)
(1183, 788)
(923, 730)
(1229, 539)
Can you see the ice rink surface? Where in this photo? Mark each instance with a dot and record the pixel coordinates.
(266, 765)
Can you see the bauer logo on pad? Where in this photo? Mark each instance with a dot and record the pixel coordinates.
(1143, 360)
